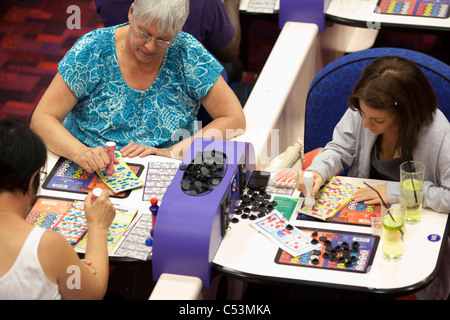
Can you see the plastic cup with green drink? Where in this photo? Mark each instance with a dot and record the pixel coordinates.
(393, 228)
(411, 181)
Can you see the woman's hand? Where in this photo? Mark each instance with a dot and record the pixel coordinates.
(99, 213)
(369, 196)
(93, 159)
(133, 149)
(318, 182)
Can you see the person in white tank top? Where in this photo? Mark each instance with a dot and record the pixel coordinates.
(37, 263)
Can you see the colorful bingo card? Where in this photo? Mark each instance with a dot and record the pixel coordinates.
(122, 179)
(278, 229)
(66, 216)
(61, 215)
(419, 8)
(330, 199)
(356, 213)
(69, 176)
(338, 250)
(118, 227)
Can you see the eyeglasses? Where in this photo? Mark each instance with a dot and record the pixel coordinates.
(146, 37)
(42, 175)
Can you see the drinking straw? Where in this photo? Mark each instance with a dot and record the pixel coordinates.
(412, 180)
(411, 171)
(384, 203)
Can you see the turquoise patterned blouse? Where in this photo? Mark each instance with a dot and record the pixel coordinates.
(109, 110)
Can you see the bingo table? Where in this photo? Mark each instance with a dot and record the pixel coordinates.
(247, 255)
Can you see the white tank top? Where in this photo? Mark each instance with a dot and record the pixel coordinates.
(26, 280)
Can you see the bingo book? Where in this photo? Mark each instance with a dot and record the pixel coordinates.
(330, 199)
(66, 216)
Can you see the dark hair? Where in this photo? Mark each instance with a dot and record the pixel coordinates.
(399, 86)
(22, 153)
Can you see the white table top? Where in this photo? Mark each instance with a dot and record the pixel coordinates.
(248, 255)
(361, 13)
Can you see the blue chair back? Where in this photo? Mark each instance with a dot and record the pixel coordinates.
(330, 88)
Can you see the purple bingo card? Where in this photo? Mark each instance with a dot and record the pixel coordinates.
(158, 178)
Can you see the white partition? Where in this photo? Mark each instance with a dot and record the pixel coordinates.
(275, 109)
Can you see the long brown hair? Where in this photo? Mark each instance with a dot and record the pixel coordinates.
(399, 86)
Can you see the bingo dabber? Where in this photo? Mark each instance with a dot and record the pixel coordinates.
(110, 149)
(308, 181)
(96, 193)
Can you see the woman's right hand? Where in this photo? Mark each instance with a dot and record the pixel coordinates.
(99, 213)
(93, 159)
(318, 182)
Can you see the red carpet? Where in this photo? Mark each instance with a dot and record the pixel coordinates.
(33, 38)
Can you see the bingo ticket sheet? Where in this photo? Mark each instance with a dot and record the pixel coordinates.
(330, 199)
(67, 217)
(158, 178)
(63, 216)
(122, 179)
(278, 229)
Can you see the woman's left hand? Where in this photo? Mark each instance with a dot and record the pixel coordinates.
(133, 149)
(368, 196)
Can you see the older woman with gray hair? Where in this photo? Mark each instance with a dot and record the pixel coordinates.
(139, 84)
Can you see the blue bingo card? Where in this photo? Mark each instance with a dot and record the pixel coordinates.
(123, 178)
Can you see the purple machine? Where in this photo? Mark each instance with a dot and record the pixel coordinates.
(197, 207)
(312, 11)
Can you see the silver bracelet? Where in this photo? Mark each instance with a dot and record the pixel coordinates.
(171, 154)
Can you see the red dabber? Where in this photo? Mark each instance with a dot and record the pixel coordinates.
(96, 193)
(154, 210)
(110, 149)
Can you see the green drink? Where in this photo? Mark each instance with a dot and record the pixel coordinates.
(392, 234)
(411, 187)
(412, 192)
(392, 238)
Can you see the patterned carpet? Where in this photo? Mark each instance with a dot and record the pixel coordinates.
(33, 38)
